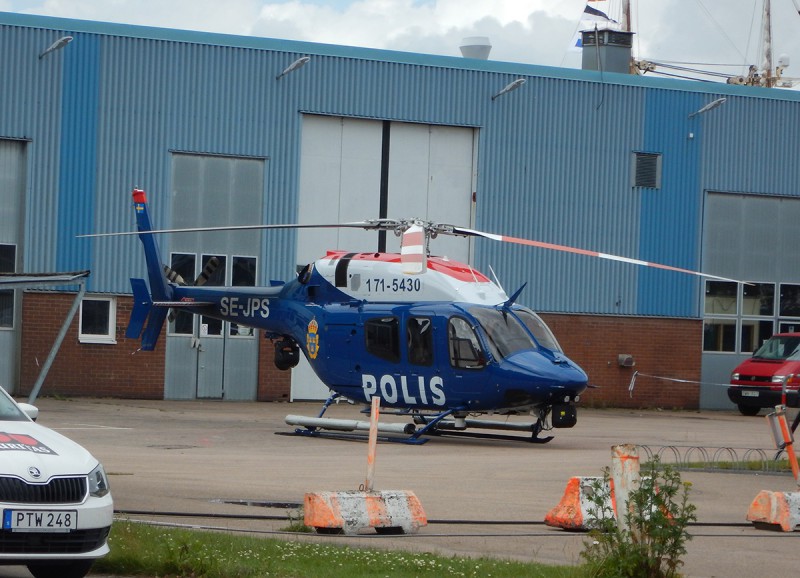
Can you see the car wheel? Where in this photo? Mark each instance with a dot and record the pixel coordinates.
(65, 569)
(749, 410)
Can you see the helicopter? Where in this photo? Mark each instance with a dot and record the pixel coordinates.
(434, 339)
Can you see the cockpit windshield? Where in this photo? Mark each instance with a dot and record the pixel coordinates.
(503, 331)
(541, 332)
(779, 347)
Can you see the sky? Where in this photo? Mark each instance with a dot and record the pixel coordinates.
(700, 32)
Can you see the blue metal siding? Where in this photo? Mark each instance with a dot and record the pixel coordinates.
(78, 144)
(105, 114)
(555, 168)
(670, 215)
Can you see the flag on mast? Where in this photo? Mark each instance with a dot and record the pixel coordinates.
(595, 13)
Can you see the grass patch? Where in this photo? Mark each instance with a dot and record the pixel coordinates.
(139, 549)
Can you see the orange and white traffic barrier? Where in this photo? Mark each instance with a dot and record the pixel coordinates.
(578, 510)
(775, 510)
(778, 510)
(350, 512)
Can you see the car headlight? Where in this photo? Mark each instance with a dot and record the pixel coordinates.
(735, 377)
(98, 482)
(777, 378)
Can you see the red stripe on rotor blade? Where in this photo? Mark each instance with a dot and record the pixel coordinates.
(565, 248)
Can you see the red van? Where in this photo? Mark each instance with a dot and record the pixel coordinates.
(758, 382)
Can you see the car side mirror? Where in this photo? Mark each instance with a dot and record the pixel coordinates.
(30, 410)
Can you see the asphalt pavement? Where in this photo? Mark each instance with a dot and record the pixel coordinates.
(215, 460)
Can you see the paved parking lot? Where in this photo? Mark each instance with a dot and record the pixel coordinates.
(208, 457)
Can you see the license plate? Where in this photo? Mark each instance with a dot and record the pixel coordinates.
(40, 520)
(749, 393)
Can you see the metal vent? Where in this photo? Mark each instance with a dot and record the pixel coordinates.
(56, 491)
(647, 170)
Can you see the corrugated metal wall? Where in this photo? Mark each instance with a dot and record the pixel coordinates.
(104, 114)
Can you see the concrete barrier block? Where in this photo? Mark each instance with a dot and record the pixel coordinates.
(775, 510)
(350, 512)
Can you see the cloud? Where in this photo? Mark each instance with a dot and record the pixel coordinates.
(535, 31)
(516, 35)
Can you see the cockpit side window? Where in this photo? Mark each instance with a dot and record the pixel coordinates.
(383, 337)
(539, 329)
(465, 349)
(503, 331)
(419, 331)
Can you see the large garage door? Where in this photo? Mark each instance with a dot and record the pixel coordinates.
(12, 193)
(208, 358)
(355, 169)
(753, 238)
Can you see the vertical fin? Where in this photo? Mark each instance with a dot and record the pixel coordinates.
(160, 290)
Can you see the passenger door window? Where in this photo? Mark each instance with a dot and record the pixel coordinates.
(465, 349)
(382, 338)
(420, 341)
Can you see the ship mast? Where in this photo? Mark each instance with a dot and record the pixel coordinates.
(766, 22)
(625, 25)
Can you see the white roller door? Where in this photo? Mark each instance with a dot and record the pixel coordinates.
(429, 171)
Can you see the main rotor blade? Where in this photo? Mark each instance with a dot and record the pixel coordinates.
(355, 225)
(575, 250)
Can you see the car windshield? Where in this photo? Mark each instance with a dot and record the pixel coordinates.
(503, 332)
(780, 347)
(9, 411)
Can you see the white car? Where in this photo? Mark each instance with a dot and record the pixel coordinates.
(54, 498)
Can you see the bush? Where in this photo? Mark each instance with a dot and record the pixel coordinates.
(655, 536)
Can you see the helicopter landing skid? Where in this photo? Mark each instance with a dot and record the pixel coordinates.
(353, 437)
(489, 436)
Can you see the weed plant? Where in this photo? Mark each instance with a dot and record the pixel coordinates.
(653, 539)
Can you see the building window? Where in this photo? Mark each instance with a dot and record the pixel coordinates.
(740, 318)
(8, 259)
(243, 274)
(183, 265)
(98, 320)
(647, 170)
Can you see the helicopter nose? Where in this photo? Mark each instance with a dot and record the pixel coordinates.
(558, 372)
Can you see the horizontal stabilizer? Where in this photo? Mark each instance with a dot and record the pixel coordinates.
(182, 303)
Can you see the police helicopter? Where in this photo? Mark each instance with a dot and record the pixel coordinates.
(434, 339)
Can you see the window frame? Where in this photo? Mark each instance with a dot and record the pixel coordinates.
(110, 336)
(737, 317)
(235, 330)
(12, 293)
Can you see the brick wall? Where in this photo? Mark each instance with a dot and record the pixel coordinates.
(670, 348)
(107, 370)
(93, 369)
(662, 347)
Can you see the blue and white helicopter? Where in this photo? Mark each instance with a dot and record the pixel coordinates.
(434, 339)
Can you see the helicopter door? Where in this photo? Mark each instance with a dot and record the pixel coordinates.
(466, 355)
